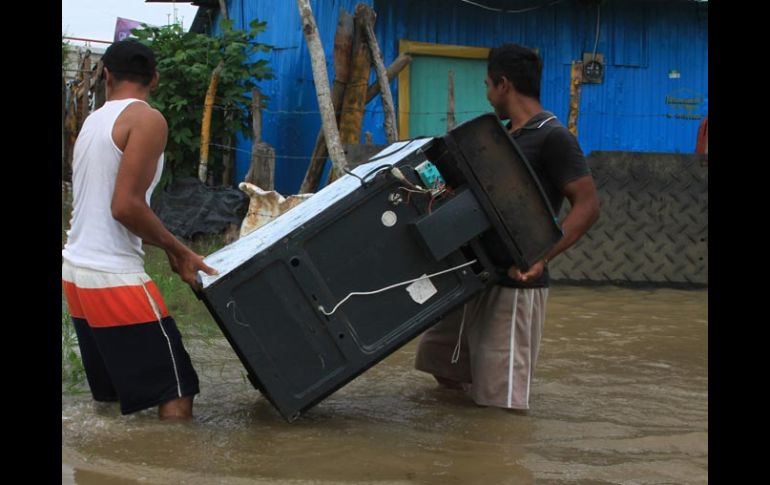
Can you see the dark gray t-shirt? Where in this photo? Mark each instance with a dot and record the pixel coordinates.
(556, 158)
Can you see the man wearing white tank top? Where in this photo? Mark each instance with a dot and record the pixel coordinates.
(130, 346)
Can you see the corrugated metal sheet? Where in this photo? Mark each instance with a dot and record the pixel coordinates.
(656, 53)
(641, 106)
(642, 43)
(291, 121)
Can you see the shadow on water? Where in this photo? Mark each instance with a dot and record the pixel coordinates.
(620, 396)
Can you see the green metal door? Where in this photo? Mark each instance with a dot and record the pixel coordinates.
(428, 92)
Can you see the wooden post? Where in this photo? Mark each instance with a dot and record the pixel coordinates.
(373, 90)
(391, 132)
(318, 61)
(227, 163)
(63, 130)
(85, 87)
(353, 102)
(450, 112)
(76, 110)
(393, 70)
(343, 41)
(99, 88)
(262, 169)
(206, 123)
(227, 158)
(208, 106)
(256, 115)
(576, 77)
(70, 130)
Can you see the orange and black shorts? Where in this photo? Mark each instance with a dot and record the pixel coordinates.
(130, 346)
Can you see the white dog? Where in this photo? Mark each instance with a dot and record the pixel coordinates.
(264, 206)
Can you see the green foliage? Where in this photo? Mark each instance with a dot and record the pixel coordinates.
(185, 63)
(73, 375)
(190, 314)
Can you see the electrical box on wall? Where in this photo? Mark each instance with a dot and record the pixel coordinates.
(593, 68)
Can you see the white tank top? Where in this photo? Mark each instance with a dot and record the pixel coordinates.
(96, 240)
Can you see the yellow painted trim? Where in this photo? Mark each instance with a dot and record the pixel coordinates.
(444, 50)
(426, 49)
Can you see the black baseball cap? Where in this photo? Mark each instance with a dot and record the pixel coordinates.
(129, 56)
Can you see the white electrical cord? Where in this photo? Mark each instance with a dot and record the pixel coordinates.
(456, 352)
(529, 9)
(598, 24)
(354, 293)
(400, 176)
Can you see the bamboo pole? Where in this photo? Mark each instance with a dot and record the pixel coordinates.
(208, 105)
(99, 86)
(85, 87)
(76, 109)
(391, 132)
(393, 70)
(320, 153)
(343, 42)
(318, 61)
(576, 77)
(206, 124)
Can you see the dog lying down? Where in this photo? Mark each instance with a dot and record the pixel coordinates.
(265, 205)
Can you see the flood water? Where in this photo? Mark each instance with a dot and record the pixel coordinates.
(619, 396)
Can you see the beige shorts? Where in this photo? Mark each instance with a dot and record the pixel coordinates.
(498, 333)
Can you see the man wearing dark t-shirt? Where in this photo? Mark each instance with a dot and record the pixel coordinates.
(489, 347)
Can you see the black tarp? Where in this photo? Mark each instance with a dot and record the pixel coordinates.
(188, 207)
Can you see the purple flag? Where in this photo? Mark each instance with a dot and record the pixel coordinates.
(123, 28)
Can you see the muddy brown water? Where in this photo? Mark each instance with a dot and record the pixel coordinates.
(619, 396)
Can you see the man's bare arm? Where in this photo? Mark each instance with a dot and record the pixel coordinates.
(146, 140)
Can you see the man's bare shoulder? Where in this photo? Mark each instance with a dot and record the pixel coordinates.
(143, 115)
(139, 121)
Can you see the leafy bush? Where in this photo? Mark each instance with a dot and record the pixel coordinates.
(185, 63)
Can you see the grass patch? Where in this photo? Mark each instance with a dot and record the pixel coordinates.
(191, 315)
(73, 376)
